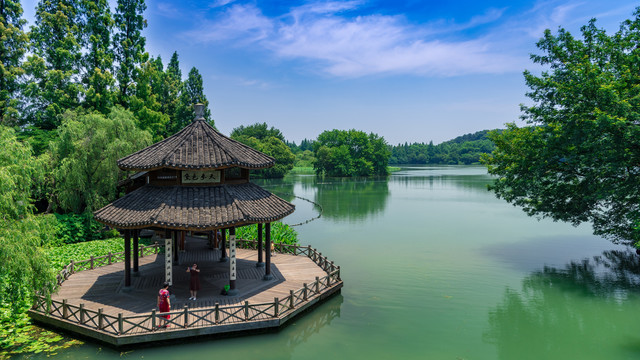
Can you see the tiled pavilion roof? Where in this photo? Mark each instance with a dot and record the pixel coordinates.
(194, 207)
(197, 146)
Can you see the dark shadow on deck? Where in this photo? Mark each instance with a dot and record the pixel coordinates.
(108, 289)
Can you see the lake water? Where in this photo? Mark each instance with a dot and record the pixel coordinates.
(435, 267)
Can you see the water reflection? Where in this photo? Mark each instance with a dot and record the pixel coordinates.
(278, 187)
(344, 199)
(583, 307)
(473, 178)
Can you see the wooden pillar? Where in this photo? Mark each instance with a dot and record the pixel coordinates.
(182, 240)
(267, 253)
(127, 258)
(232, 263)
(223, 256)
(136, 250)
(260, 263)
(174, 239)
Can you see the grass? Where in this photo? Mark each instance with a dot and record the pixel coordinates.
(302, 170)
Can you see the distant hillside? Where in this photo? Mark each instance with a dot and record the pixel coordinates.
(465, 149)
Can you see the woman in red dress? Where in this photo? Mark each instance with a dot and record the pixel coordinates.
(164, 304)
(194, 286)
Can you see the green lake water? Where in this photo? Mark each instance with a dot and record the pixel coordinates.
(435, 267)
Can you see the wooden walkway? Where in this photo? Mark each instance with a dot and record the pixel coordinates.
(94, 302)
(103, 287)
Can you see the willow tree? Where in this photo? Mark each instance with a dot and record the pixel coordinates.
(23, 265)
(12, 49)
(578, 158)
(85, 155)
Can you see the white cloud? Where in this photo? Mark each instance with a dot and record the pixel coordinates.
(329, 39)
(238, 22)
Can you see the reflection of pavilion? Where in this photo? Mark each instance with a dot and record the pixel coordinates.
(194, 181)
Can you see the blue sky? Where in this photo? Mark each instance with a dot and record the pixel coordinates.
(410, 71)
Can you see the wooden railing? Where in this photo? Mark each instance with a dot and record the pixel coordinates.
(104, 260)
(188, 318)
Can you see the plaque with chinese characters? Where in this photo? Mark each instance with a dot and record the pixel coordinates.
(200, 176)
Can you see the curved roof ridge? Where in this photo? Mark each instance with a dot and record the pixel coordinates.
(197, 146)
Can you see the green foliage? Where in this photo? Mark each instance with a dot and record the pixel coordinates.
(61, 256)
(280, 233)
(12, 48)
(466, 149)
(305, 158)
(259, 131)
(350, 153)
(144, 103)
(98, 59)
(74, 228)
(129, 44)
(192, 92)
(267, 141)
(23, 263)
(19, 173)
(579, 158)
(85, 155)
(54, 63)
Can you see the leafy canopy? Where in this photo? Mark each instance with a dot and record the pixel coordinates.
(351, 153)
(579, 158)
(269, 141)
(85, 155)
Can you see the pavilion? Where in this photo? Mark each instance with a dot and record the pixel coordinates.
(196, 180)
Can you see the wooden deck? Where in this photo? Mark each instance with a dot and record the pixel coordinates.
(88, 299)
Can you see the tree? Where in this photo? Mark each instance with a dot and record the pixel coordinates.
(23, 266)
(351, 153)
(578, 160)
(144, 103)
(192, 92)
(169, 98)
(258, 131)
(85, 155)
(54, 65)
(98, 59)
(270, 142)
(129, 44)
(12, 49)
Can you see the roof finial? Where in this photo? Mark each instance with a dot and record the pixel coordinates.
(199, 108)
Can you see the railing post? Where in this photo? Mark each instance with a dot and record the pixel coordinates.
(81, 313)
(246, 311)
(317, 285)
(333, 267)
(153, 319)
(329, 280)
(217, 314)
(141, 251)
(291, 301)
(186, 316)
(120, 323)
(338, 274)
(110, 256)
(100, 319)
(48, 307)
(91, 262)
(304, 292)
(156, 245)
(320, 260)
(309, 251)
(73, 267)
(276, 304)
(65, 309)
